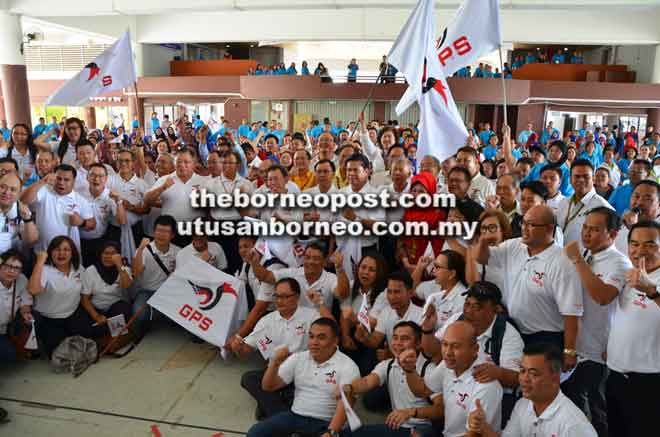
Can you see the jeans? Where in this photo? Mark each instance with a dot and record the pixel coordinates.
(285, 423)
(586, 388)
(269, 403)
(632, 403)
(143, 322)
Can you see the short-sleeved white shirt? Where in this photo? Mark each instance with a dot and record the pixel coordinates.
(176, 199)
(355, 303)
(153, 276)
(459, 394)
(217, 255)
(538, 292)
(446, 305)
(512, 344)
(376, 214)
(132, 191)
(61, 293)
(395, 214)
(262, 290)
(81, 184)
(571, 216)
(634, 342)
(11, 226)
(554, 202)
(22, 298)
(52, 215)
(223, 185)
(326, 284)
(480, 189)
(610, 266)
(397, 386)
(292, 333)
(316, 383)
(326, 214)
(389, 318)
(104, 210)
(103, 295)
(560, 419)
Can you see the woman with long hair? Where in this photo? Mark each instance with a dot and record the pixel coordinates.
(56, 284)
(23, 150)
(74, 131)
(370, 279)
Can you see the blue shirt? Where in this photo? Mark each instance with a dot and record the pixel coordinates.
(620, 198)
(352, 70)
(155, 124)
(39, 129)
(304, 71)
(530, 59)
(489, 152)
(291, 71)
(558, 58)
(478, 72)
(595, 158)
(565, 188)
(485, 135)
(198, 123)
(524, 136)
(244, 130)
(135, 124)
(316, 131)
(6, 133)
(624, 165)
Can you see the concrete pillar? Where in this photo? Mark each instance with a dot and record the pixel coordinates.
(135, 108)
(90, 117)
(12, 71)
(379, 111)
(655, 72)
(653, 118)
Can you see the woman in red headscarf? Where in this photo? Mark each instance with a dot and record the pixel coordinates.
(411, 248)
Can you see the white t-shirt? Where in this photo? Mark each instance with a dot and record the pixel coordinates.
(389, 318)
(176, 199)
(538, 292)
(480, 188)
(153, 276)
(355, 303)
(53, 212)
(132, 191)
(560, 419)
(217, 255)
(325, 214)
(398, 389)
(610, 266)
(223, 185)
(11, 226)
(315, 383)
(292, 333)
(61, 293)
(104, 210)
(81, 185)
(262, 290)
(377, 214)
(571, 216)
(395, 214)
(103, 295)
(554, 202)
(634, 343)
(326, 284)
(445, 305)
(22, 298)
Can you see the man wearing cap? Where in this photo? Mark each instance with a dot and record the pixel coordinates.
(573, 210)
(500, 344)
(602, 270)
(542, 299)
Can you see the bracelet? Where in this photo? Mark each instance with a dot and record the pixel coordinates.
(427, 331)
(28, 220)
(570, 352)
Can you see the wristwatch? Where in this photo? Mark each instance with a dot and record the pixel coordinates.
(332, 433)
(570, 352)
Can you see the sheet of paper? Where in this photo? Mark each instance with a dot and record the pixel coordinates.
(31, 343)
(117, 325)
(363, 314)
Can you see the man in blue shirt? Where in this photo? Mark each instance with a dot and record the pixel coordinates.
(479, 72)
(291, 71)
(484, 135)
(317, 128)
(254, 132)
(531, 58)
(524, 135)
(135, 123)
(6, 132)
(352, 70)
(620, 197)
(490, 151)
(40, 128)
(155, 123)
(558, 58)
(197, 123)
(244, 128)
(556, 156)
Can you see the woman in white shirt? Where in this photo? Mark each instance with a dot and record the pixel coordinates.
(15, 303)
(56, 284)
(495, 228)
(104, 288)
(370, 279)
(74, 133)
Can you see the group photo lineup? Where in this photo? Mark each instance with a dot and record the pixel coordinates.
(430, 218)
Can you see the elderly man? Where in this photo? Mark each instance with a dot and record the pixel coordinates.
(480, 187)
(542, 299)
(644, 206)
(17, 225)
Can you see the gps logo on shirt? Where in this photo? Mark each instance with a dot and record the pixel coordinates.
(331, 377)
(264, 342)
(461, 400)
(537, 278)
(300, 330)
(640, 301)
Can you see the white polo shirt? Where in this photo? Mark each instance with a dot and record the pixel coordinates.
(398, 389)
(554, 202)
(389, 318)
(512, 344)
(292, 333)
(634, 343)
(132, 191)
(316, 383)
(11, 226)
(560, 419)
(262, 290)
(153, 276)
(355, 302)
(176, 199)
(480, 189)
(446, 304)
(217, 255)
(538, 292)
(61, 293)
(223, 185)
(325, 214)
(104, 210)
(572, 215)
(377, 214)
(103, 295)
(459, 394)
(52, 215)
(610, 266)
(493, 274)
(326, 284)
(21, 298)
(81, 184)
(394, 214)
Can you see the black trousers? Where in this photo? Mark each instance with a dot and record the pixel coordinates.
(632, 404)
(117, 308)
(269, 403)
(229, 244)
(90, 250)
(586, 388)
(51, 332)
(113, 233)
(555, 338)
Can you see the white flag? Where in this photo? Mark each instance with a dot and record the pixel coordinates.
(110, 71)
(31, 343)
(363, 314)
(202, 299)
(351, 249)
(430, 253)
(441, 129)
(354, 421)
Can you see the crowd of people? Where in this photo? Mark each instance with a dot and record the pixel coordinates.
(547, 322)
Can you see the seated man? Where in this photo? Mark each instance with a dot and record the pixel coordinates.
(544, 410)
(405, 405)
(15, 303)
(288, 327)
(452, 386)
(316, 374)
(204, 249)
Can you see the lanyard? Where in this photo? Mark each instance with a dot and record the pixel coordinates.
(569, 217)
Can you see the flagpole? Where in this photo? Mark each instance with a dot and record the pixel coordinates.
(506, 121)
(371, 92)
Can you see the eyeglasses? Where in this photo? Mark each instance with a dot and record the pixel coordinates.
(439, 266)
(490, 228)
(282, 296)
(12, 268)
(95, 176)
(526, 224)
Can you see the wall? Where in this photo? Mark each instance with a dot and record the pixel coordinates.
(268, 55)
(156, 59)
(235, 110)
(639, 59)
